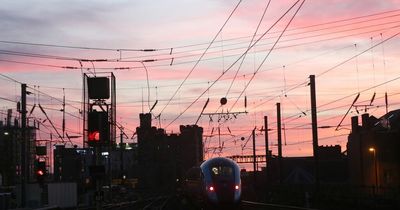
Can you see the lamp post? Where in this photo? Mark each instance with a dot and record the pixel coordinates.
(373, 150)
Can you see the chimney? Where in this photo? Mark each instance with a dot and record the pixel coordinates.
(365, 120)
(145, 120)
(354, 124)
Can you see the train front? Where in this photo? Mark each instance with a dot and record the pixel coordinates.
(221, 181)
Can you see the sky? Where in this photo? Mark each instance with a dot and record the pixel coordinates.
(254, 61)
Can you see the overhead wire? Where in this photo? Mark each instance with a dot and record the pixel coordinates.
(290, 40)
(39, 64)
(251, 41)
(243, 59)
(148, 85)
(265, 58)
(342, 98)
(186, 62)
(39, 92)
(72, 67)
(215, 81)
(358, 54)
(7, 99)
(280, 47)
(80, 47)
(384, 82)
(349, 96)
(374, 86)
(299, 33)
(296, 29)
(184, 46)
(338, 65)
(200, 58)
(52, 97)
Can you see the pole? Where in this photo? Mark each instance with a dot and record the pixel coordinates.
(376, 171)
(278, 113)
(314, 128)
(63, 111)
(254, 157)
(24, 156)
(266, 147)
(99, 182)
(122, 154)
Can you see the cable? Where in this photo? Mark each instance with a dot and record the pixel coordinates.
(10, 78)
(341, 63)
(293, 34)
(148, 85)
(351, 58)
(295, 29)
(187, 62)
(57, 99)
(38, 64)
(9, 100)
(45, 56)
(265, 58)
(351, 95)
(252, 39)
(198, 61)
(215, 81)
(81, 48)
(343, 20)
(281, 47)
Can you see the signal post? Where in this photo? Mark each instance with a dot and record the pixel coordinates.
(99, 128)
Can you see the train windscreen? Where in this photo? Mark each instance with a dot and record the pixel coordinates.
(221, 171)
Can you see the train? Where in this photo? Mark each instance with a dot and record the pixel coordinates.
(216, 183)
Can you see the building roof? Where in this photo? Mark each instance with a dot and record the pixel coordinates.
(390, 120)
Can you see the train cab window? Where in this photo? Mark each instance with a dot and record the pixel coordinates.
(222, 171)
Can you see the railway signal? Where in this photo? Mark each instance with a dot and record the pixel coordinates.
(40, 171)
(98, 128)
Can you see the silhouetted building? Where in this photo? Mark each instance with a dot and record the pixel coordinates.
(191, 145)
(124, 162)
(374, 150)
(163, 159)
(10, 150)
(71, 164)
(300, 170)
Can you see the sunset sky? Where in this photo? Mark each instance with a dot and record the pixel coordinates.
(330, 39)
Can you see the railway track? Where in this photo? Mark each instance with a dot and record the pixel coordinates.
(250, 205)
(159, 203)
(155, 203)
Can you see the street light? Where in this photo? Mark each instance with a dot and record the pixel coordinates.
(373, 150)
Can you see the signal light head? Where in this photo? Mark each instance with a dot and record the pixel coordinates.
(236, 187)
(40, 172)
(94, 136)
(211, 188)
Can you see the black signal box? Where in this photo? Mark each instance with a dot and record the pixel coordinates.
(99, 88)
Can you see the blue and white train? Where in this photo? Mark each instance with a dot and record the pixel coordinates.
(217, 182)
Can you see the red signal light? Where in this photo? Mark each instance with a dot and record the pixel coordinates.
(98, 128)
(236, 187)
(94, 136)
(40, 172)
(211, 188)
